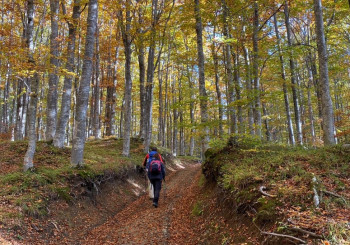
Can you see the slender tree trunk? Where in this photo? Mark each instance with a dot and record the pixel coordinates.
(327, 106)
(67, 86)
(249, 89)
(160, 109)
(18, 132)
(111, 98)
(311, 117)
(238, 91)
(266, 121)
(256, 77)
(229, 70)
(202, 90)
(51, 114)
(84, 87)
(285, 90)
(97, 104)
(128, 81)
(293, 77)
(150, 77)
(175, 118)
(34, 84)
(217, 84)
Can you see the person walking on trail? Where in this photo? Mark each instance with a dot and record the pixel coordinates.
(149, 157)
(156, 173)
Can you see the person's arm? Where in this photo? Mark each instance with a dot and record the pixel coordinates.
(145, 160)
(161, 159)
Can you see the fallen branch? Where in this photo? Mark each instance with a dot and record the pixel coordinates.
(334, 194)
(312, 234)
(314, 188)
(261, 190)
(285, 236)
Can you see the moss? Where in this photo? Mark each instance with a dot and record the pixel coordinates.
(266, 213)
(64, 193)
(197, 209)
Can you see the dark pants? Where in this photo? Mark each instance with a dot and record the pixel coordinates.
(157, 186)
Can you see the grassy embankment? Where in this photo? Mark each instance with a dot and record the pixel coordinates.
(244, 166)
(30, 193)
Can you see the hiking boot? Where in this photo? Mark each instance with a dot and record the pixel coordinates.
(155, 205)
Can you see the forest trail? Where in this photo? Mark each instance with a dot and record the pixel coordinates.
(140, 223)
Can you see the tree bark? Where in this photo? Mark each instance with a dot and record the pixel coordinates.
(84, 87)
(250, 90)
(256, 77)
(111, 97)
(51, 114)
(293, 77)
(125, 28)
(285, 90)
(34, 84)
(67, 86)
(202, 90)
(97, 104)
(229, 70)
(327, 106)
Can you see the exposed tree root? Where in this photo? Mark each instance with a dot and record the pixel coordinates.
(262, 191)
(282, 235)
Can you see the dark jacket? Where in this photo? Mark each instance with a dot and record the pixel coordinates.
(159, 176)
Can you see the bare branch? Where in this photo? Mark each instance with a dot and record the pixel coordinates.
(282, 235)
(261, 190)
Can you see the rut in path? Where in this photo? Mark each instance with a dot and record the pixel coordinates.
(141, 223)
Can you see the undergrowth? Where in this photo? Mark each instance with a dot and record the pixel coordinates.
(31, 192)
(245, 164)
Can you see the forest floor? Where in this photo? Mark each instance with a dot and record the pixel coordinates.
(117, 211)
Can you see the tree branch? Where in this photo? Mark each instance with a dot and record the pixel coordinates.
(261, 190)
(285, 236)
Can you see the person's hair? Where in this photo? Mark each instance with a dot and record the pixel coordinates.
(156, 156)
(153, 148)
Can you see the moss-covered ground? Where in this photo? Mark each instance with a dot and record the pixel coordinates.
(241, 168)
(29, 193)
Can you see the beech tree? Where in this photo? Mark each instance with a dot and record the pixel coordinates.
(84, 87)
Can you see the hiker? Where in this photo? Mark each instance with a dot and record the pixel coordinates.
(147, 160)
(149, 156)
(156, 173)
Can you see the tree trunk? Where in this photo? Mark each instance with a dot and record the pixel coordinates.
(229, 70)
(67, 86)
(293, 77)
(51, 114)
(202, 90)
(160, 109)
(256, 77)
(84, 87)
(150, 77)
(327, 106)
(217, 84)
(175, 118)
(238, 91)
(34, 84)
(128, 81)
(97, 104)
(249, 91)
(111, 98)
(285, 90)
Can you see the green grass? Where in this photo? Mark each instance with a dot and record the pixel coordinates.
(241, 168)
(32, 191)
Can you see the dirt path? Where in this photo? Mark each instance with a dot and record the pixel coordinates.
(140, 223)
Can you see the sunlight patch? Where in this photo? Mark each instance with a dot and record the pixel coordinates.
(134, 183)
(170, 169)
(179, 164)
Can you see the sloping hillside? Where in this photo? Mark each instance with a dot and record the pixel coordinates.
(275, 186)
